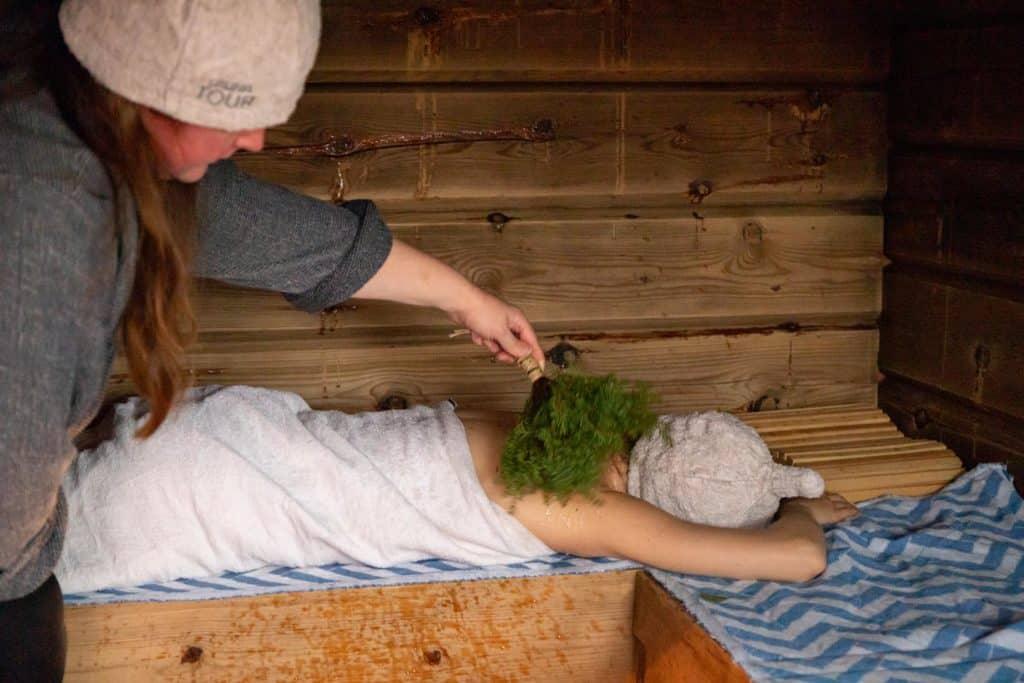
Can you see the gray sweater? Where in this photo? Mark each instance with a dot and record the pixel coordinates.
(65, 276)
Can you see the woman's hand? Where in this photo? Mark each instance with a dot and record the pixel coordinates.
(828, 509)
(497, 326)
(410, 276)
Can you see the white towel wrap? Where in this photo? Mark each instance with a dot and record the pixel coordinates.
(242, 477)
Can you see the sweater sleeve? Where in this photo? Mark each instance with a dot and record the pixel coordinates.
(39, 328)
(260, 235)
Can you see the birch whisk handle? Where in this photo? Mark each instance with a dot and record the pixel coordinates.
(531, 367)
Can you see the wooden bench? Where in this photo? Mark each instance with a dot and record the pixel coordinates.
(613, 626)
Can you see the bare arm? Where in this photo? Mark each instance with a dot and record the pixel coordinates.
(614, 523)
(791, 549)
(410, 276)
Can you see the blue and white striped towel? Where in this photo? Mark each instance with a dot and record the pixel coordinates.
(917, 589)
(277, 579)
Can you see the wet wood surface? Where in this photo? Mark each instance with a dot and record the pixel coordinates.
(553, 628)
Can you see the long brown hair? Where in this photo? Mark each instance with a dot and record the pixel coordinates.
(157, 323)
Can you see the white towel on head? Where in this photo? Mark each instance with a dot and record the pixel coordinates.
(242, 477)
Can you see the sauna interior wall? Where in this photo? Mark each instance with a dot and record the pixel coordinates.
(952, 345)
(707, 219)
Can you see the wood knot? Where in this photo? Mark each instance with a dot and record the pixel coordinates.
(761, 403)
(434, 656)
(752, 246)
(393, 402)
(563, 354)
(191, 654)
(544, 128)
(426, 16)
(699, 190)
(497, 220)
(753, 232)
(982, 357)
(680, 136)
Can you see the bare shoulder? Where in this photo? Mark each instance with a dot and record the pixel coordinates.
(486, 433)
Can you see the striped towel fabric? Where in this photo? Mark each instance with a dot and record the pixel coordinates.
(917, 589)
(274, 579)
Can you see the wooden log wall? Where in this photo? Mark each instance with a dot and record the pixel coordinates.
(952, 344)
(706, 217)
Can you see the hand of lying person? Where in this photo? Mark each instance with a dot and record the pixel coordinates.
(827, 509)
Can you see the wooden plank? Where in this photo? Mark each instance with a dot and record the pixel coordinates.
(671, 275)
(467, 40)
(960, 213)
(959, 87)
(975, 179)
(754, 145)
(858, 463)
(912, 327)
(776, 370)
(984, 350)
(599, 40)
(859, 450)
(672, 646)
(611, 148)
(974, 347)
(838, 434)
(574, 627)
(970, 430)
(926, 12)
(984, 240)
(859, 496)
(787, 42)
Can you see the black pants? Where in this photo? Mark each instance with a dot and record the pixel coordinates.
(33, 644)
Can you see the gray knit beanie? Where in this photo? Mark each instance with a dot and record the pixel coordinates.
(228, 64)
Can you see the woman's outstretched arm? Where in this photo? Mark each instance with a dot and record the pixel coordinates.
(792, 548)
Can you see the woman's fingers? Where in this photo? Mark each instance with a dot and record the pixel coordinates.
(500, 327)
(525, 332)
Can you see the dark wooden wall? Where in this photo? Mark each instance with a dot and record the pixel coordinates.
(952, 344)
(706, 218)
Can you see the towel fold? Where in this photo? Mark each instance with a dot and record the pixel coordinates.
(241, 477)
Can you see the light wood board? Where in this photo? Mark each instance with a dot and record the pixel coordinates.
(573, 627)
(748, 146)
(774, 369)
(724, 272)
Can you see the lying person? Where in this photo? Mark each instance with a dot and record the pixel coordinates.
(241, 477)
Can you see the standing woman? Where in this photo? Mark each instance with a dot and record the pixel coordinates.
(116, 118)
